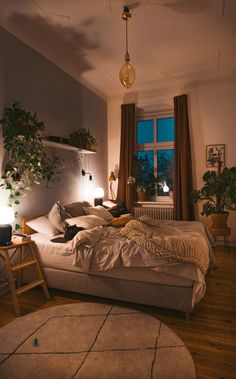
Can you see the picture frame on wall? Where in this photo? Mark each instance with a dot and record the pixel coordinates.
(214, 153)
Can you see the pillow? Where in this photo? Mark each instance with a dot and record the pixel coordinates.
(64, 214)
(86, 222)
(54, 217)
(43, 225)
(98, 211)
(76, 209)
(120, 221)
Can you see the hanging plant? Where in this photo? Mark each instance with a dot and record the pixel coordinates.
(82, 139)
(27, 164)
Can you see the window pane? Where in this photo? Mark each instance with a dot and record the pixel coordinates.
(144, 167)
(165, 129)
(145, 131)
(165, 160)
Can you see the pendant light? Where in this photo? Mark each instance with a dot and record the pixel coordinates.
(127, 72)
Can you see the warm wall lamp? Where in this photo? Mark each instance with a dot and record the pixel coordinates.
(112, 179)
(127, 72)
(87, 173)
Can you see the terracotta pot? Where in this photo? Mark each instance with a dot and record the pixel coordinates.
(219, 220)
(143, 195)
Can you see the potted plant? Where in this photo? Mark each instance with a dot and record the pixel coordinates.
(219, 194)
(82, 139)
(146, 184)
(27, 163)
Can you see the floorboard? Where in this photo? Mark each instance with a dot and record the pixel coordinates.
(210, 335)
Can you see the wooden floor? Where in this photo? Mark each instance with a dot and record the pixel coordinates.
(210, 335)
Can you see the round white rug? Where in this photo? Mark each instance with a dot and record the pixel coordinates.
(92, 341)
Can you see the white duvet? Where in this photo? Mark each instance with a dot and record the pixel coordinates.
(105, 248)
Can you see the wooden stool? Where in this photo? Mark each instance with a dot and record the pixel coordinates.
(224, 232)
(12, 268)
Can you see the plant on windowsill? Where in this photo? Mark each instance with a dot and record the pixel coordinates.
(147, 188)
(218, 192)
(146, 184)
(27, 163)
(82, 139)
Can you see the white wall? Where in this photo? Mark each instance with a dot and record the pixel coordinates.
(212, 115)
(64, 105)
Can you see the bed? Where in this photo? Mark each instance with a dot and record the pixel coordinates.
(133, 273)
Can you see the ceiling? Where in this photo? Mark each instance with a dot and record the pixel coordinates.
(171, 42)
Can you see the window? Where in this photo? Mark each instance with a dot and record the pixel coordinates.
(154, 155)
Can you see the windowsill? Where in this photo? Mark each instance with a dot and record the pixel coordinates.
(161, 200)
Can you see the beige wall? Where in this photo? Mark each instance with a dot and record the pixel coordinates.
(64, 105)
(212, 114)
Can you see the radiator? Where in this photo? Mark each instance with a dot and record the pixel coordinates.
(163, 212)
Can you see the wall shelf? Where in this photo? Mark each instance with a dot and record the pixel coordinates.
(64, 146)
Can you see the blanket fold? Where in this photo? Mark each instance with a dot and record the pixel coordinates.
(175, 245)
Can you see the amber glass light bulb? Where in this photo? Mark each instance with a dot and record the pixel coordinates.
(127, 75)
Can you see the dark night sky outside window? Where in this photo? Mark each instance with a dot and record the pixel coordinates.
(155, 149)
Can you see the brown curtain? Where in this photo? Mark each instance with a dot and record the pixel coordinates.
(183, 209)
(125, 192)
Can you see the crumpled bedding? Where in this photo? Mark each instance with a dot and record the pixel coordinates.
(172, 244)
(103, 248)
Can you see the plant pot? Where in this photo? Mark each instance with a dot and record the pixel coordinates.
(143, 195)
(219, 220)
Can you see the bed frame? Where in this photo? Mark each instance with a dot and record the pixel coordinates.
(159, 295)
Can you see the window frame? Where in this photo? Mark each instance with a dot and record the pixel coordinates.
(155, 146)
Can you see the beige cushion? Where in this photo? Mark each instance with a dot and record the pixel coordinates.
(76, 208)
(98, 211)
(54, 217)
(120, 221)
(43, 225)
(86, 222)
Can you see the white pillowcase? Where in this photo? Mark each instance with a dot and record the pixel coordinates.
(98, 211)
(43, 225)
(54, 217)
(86, 222)
(76, 209)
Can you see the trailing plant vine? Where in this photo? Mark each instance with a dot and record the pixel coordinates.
(27, 163)
(82, 139)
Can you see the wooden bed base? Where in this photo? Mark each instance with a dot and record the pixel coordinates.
(159, 295)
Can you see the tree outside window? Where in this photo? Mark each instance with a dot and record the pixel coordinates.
(154, 156)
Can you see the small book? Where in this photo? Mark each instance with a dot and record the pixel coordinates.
(21, 234)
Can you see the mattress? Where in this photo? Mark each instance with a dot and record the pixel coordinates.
(59, 256)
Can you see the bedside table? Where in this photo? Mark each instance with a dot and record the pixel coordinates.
(7, 253)
(224, 232)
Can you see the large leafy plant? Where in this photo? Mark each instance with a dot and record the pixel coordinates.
(218, 191)
(27, 163)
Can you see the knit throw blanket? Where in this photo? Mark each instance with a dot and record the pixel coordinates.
(176, 245)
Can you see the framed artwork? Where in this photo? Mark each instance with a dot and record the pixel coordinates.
(214, 154)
